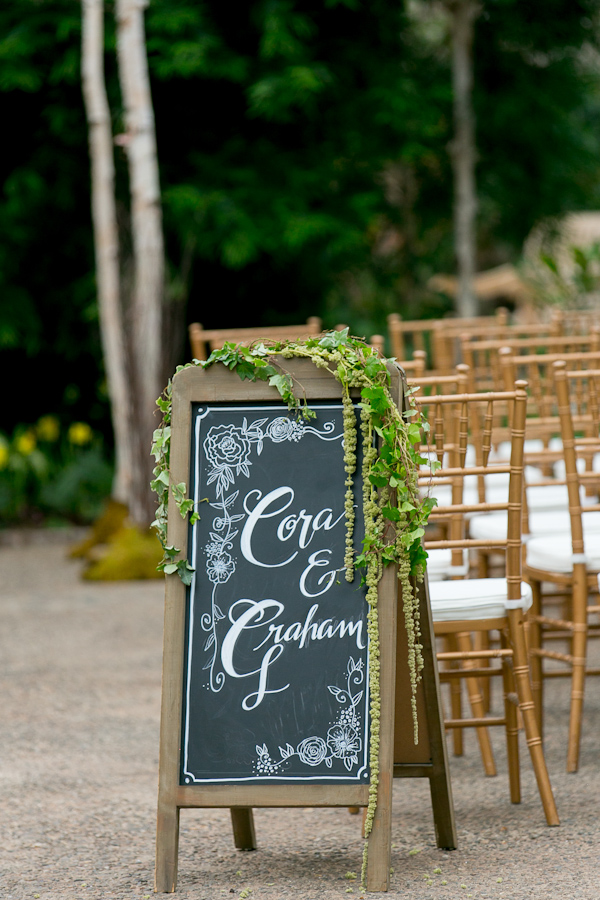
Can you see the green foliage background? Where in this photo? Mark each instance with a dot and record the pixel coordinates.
(303, 148)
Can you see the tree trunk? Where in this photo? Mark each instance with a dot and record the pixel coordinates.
(106, 241)
(148, 252)
(463, 14)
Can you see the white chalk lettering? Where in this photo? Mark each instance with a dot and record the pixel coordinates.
(317, 560)
(259, 512)
(352, 628)
(252, 617)
(322, 520)
(302, 525)
(303, 632)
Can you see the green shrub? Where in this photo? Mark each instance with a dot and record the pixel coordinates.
(49, 471)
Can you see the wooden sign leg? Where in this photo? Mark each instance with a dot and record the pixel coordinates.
(427, 759)
(243, 828)
(167, 845)
(379, 842)
(439, 780)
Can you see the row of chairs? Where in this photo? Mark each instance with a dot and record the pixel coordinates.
(560, 548)
(436, 346)
(445, 341)
(487, 490)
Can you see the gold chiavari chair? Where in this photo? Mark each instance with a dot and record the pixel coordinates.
(204, 341)
(406, 336)
(546, 501)
(464, 606)
(580, 321)
(413, 368)
(568, 560)
(448, 339)
(416, 367)
(377, 342)
(483, 357)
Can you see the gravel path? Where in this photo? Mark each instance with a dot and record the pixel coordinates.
(80, 668)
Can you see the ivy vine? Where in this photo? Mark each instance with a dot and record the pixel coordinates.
(395, 515)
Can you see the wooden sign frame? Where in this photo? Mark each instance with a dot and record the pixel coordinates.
(219, 385)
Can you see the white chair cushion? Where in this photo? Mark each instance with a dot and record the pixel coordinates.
(439, 564)
(472, 599)
(492, 526)
(554, 553)
(544, 497)
(502, 451)
(560, 469)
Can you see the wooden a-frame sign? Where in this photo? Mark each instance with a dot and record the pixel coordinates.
(265, 692)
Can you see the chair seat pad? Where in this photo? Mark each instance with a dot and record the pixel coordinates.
(439, 564)
(544, 497)
(472, 599)
(502, 451)
(554, 553)
(560, 468)
(553, 496)
(492, 526)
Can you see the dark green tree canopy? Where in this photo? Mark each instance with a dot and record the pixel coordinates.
(303, 147)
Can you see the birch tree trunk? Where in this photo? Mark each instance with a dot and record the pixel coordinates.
(145, 310)
(463, 14)
(106, 241)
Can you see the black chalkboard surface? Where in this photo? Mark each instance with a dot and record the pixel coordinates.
(275, 668)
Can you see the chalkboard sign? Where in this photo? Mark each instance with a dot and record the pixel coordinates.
(265, 666)
(276, 668)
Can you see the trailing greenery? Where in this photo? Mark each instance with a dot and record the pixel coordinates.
(394, 513)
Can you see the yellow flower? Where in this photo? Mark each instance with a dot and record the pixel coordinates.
(48, 429)
(25, 443)
(80, 433)
(3, 454)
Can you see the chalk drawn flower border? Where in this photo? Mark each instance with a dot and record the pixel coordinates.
(344, 739)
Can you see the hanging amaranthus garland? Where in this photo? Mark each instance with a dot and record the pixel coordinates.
(394, 513)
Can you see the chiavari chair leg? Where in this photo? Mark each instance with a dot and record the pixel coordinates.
(527, 707)
(512, 724)
(483, 564)
(536, 663)
(578, 653)
(455, 697)
(477, 705)
(482, 642)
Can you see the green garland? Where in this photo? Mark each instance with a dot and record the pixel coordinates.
(394, 514)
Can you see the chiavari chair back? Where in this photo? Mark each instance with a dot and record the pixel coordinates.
(569, 559)
(483, 357)
(204, 341)
(407, 336)
(464, 606)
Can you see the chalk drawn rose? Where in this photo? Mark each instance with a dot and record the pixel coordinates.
(226, 446)
(284, 429)
(220, 568)
(312, 751)
(343, 741)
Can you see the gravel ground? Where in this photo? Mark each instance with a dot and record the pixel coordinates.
(80, 668)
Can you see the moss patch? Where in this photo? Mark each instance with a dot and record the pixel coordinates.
(130, 555)
(104, 528)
